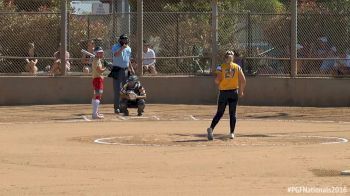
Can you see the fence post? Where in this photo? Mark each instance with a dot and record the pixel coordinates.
(294, 38)
(214, 34)
(177, 37)
(63, 38)
(113, 11)
(139, 36)
(249, 44)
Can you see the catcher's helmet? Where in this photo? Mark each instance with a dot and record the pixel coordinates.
(133, 78)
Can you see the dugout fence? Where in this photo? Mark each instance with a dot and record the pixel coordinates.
(188, 38)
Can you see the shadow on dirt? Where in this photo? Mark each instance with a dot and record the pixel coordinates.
(222, 137)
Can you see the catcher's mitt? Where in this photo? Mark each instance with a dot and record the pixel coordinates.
(132, 95)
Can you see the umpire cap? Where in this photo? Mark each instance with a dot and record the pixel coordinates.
(123, 36)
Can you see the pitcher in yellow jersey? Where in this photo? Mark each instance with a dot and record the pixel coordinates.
(231, 82)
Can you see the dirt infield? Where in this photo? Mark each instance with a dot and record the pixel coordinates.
(59, 150)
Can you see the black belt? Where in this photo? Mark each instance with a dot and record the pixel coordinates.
(114, 72)
(116, 68)
(231, 90)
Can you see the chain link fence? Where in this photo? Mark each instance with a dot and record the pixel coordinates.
(23, 27)
(181, 35)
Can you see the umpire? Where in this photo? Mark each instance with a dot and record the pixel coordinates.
(121, 53)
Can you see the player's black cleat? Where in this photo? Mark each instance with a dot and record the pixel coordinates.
(126, 113)
(210, 134)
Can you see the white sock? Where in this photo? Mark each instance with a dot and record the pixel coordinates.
(94, 104)
(97, 102)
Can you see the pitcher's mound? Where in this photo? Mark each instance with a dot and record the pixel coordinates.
(219, 140)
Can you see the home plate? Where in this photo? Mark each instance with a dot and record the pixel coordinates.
(345, 173)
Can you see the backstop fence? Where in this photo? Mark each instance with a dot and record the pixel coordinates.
(187, 41)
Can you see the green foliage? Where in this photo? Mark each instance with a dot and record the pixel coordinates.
(36, 5)
(17, 30)
(316, 18)
(78, 31)
(254, 6)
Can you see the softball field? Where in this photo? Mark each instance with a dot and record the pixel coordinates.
(59, 150)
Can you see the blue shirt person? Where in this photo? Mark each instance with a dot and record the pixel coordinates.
(121, 53)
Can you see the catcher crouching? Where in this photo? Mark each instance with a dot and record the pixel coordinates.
(132, 95)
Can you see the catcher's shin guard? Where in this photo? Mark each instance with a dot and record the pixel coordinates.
(123, 105)
(141, 104)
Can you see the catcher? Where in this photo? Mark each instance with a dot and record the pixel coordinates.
(132, 95)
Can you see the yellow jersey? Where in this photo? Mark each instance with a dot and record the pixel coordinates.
(229, 75)
(96, 63)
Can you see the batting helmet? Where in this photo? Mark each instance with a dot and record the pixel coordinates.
(98, 49)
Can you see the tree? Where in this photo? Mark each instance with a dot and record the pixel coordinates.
(36, 5)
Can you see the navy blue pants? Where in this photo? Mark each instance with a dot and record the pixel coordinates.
(120, 75)
(138, 103)
(229, 97)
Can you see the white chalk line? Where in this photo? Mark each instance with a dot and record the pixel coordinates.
(121, 117)
(156, 117)
(85, 118)
(341, 140)
(101, 141)
(193, 118)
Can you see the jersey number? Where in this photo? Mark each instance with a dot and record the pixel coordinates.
(229, 73)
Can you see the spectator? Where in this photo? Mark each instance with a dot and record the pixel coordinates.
(31, 61)
(310, 52)
(86, 60)
(237, 58)
(342, 66)
(149, 61)
(328, 65)
(322, 49)
(133, 95)
(133, 64)
(121, 53)
(56, 67)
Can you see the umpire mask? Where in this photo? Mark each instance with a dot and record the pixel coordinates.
(123, 39)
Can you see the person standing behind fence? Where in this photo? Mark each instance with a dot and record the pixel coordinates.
(31, 61)
(238, 59)
(121, 53)
(56, 69)
(231, 81)
(86, 60)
